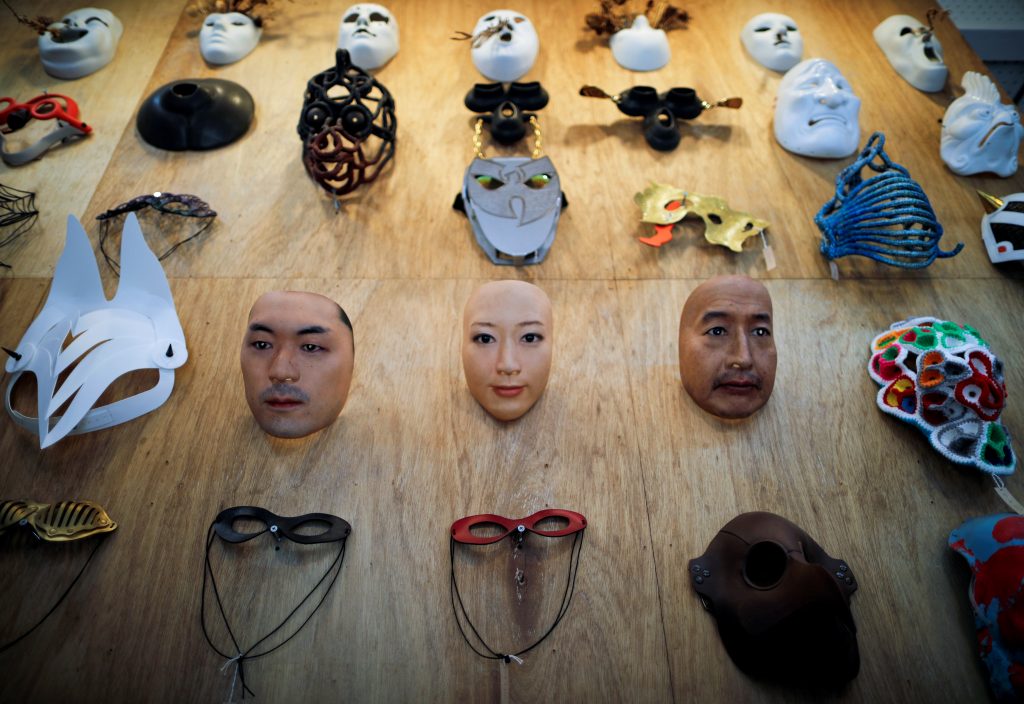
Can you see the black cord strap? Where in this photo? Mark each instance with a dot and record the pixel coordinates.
(459, 608)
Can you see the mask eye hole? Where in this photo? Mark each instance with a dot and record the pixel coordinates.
(517, 20)
(377, 17)
(489, 182)
(538, 181)
(487, 529)
(790, 28)
(489, 18)
(715, 218)
(551, 524)
(762, 29)
(906, 30)
(313, 528)
(765, 564)
(248, 526)
(351, 18)
(238, 23)
(316, 116)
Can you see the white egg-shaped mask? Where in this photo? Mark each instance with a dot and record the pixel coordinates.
(228, 37)
(816, 113)
(914, 51)
(369, 33)
(773, 40)
(84, 41)
(505, 45)
(640, 47)
(980, 134)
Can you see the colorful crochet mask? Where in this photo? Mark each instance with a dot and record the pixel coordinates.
(781, 602)
(1002, 230)
(994, 549)
(943, 378)
(663, 206)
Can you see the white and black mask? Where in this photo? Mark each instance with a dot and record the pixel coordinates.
(773, 40)
(913, 51)
(369, 33)
(504, 45)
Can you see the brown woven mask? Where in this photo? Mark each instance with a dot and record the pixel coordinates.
(781, 602)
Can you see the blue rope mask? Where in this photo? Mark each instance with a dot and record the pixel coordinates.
(886, 218)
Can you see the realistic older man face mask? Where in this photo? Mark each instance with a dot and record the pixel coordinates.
(726, 349)
(297, 359)
(507, 331)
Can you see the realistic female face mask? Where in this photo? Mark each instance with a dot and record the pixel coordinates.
(979, 134)
(297, 358)
(85, 43)
(773, 40)
(504, 45)
(726, 349)
(913, 51)
(817, 112)
(640, 47)
(507, 333)
(226, 38)
(369, 33)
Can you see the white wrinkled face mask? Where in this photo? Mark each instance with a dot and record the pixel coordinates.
(817, 112)
(773, 40)
(83, 42)
(228, 37)
(98, 340)
(504, 45)
(914, 51)
(369, 33)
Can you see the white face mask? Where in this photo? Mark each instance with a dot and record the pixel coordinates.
(88, 41)
(773, 40)
(508, 53)
(226, 38)
(816, 113)
(913, 51)
(137, 329)
(369, 33)
(979, 134)
(640, 48)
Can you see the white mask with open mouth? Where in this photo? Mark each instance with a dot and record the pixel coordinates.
(913, 51)
(773, 40)
(228, 37)
(504, 45)
(980, 134)
(85, 43)
(817, 113)
(369, 33)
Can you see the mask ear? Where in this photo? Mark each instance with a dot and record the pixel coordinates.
(141, 272)
(76, 280)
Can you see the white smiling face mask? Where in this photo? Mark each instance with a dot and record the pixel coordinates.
(88, 38)
(98, 340)
(817, 112)
(504, 45)
(773, 40)
(369, 33)
(914, 51)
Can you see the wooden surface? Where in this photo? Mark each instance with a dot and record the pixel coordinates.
(615, 436)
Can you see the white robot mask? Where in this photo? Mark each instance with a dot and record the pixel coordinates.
(80, 342)
(504, 45)
(228, 37)
(913, 51)
(1002, 228)
(817, 112)
(83, 42)
(979, 134)
(773, 40)
(369, 33)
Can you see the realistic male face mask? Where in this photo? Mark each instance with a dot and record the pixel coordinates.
(726, 349)
(505, 45)
(226, 38)
(913, 51)
(773, 40)
(507, 333)
(369, 33)
(979, 134)
(87, 41)
(817, 113)
(640, 47)
(297, 358)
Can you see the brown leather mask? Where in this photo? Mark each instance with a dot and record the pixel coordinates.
(781, 602)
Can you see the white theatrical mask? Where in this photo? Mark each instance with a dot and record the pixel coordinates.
(505, 45)
(228, 37)
(913, 51)
(88, 40)
(369, 33)
(816, 112)
(773, 40)
(979, 134)
(640, 47)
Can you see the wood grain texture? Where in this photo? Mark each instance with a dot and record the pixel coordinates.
(615, 436)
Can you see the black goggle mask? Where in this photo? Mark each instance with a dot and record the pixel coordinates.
(224, 526)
